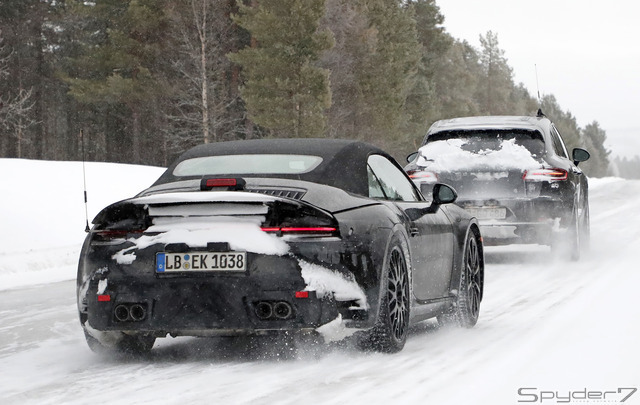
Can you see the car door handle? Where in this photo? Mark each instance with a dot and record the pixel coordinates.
(414, 231)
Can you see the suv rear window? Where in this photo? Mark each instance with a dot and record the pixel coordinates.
(247, 164)
(478, 141)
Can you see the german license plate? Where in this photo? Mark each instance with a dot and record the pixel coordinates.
(487, 212)
(201, 261)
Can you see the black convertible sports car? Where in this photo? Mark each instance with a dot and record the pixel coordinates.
(514, 174)
(273, 236)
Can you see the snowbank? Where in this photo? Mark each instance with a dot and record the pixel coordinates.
(43, 216)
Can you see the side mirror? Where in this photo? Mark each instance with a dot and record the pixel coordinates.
(443, 194)
(580, 155)
(412, 157)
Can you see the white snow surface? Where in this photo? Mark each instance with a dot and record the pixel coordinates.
(447, 155)
(552, 327)
(326, 282)
(241, 236)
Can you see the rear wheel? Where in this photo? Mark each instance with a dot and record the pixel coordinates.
(567, 244)
(575, 241)
(390, 332)
(466, 308)
(585, 229)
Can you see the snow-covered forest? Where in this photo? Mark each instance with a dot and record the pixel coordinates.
(143, 80)
(546, 328)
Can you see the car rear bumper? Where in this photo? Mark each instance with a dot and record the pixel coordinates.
(270, 295)
(187, 308)
(517, 233)
(524, 220)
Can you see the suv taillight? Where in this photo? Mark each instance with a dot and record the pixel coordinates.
(423, 176)
(545, 175)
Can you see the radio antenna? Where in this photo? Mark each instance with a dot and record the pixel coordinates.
(538, 85)
(540, 113)
(84, 180)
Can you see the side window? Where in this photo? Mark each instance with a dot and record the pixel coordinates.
(391, 181)
(375, 189)
(558, 144)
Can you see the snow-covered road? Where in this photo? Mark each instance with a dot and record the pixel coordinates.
(546, 329)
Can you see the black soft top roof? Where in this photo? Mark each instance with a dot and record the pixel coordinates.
(344, 162)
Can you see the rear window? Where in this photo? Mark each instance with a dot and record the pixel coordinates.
(481, 141)
(463, 150)
(247, 164)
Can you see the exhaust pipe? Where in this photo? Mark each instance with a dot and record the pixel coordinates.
(282, 310)
(121, 313)
(264, 310)
(137, 312)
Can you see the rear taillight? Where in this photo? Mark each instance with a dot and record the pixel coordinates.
(115, 235)
(302, 230)
(421, 176)
(545, 175)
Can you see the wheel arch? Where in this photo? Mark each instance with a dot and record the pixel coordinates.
(461, 234)
(398, 232)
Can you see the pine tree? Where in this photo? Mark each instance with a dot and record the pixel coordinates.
(457, 81)
(593, 138)
(388, 74)
(373, 70)
(344, 60)
(497, 82)
(422, 103)
(284, 90)
(118, 71)
(565, 122)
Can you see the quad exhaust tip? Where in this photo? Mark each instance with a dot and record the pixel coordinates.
(282, 310)
(264, 310)
(130, 312)
(270, 310)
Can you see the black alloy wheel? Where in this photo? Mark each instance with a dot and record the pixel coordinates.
(473, 282)
(466, 309)
(390, 332)
(398, 295)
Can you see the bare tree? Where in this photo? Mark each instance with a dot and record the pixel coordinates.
(202, 94)
(15, 103)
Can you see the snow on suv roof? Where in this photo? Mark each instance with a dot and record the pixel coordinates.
(491, 122)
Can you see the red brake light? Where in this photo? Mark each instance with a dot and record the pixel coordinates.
(304, 230)
(423, 176)
(545, 175)
(104, 298)
(221, 183)
(231, 184)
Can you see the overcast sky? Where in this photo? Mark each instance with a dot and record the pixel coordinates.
(587, 55)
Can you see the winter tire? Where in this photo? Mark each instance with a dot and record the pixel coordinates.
(466, 309)
(390, 332)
